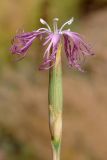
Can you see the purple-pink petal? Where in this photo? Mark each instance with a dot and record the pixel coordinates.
(21, 42)
(75, 48)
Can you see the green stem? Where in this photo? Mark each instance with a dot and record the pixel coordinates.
(55, 105)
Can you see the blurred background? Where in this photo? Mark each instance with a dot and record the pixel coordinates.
(24, 133)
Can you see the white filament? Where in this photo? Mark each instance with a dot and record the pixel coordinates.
(67, 23)
(45, 23)
(40, 29)
(55, 27)
(55, 20)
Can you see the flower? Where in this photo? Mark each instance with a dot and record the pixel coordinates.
(74, 45)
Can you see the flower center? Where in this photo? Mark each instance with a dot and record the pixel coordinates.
(55, 26)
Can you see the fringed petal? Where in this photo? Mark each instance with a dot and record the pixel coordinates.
(75, 48)
(21, 42)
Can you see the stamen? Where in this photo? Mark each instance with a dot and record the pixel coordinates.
(68, 22)
(55, 20)
(40, 29)
(45, 23)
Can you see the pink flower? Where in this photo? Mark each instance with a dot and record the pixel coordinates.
(74, 45)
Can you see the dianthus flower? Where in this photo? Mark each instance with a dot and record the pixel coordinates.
(74, 45)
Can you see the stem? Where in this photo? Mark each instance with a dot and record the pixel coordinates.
(55, 105)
